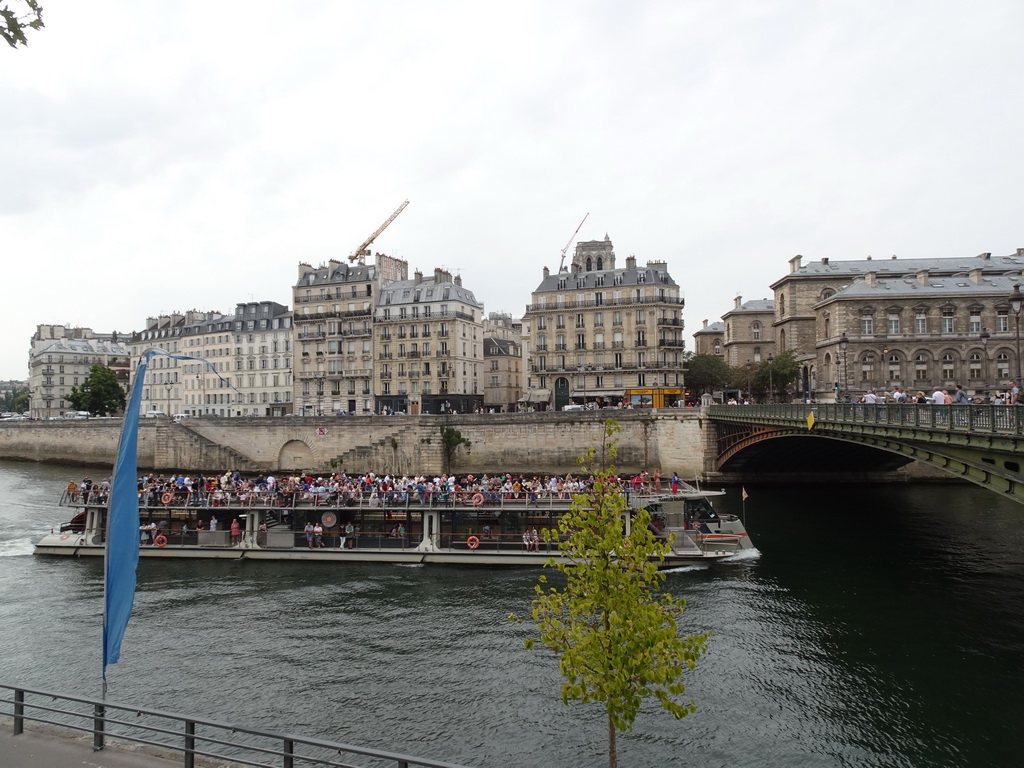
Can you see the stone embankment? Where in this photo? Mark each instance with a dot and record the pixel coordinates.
(668, 440)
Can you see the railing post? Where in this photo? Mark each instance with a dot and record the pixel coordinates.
(19, 711)
(99, 716)
(190, 744)
(288, 749)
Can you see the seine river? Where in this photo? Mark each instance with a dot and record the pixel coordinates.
(877, 626)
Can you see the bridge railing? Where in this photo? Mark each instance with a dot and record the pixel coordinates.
(995, 419)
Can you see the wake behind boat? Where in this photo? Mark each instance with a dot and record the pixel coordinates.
(473, 522)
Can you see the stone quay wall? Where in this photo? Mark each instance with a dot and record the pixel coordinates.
(669, 440)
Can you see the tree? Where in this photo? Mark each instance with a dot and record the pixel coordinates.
(99, 394)
(706, 373)
(617, 637)
(775, 376)
(451, 439)
(13, 26)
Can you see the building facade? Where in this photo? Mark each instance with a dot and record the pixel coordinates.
(503, 362)
(428, 346)
(913, 323)
(749, 331)
(600, 334)
(333, 316)
(710, 339)
(60, 358)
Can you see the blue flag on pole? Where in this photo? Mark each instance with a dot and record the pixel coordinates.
(122, 556)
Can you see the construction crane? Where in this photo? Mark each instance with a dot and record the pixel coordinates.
(364, 250)
(562, 262)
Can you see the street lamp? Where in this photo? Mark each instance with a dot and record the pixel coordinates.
(1016, 301)
(771, 386)
(168, 388)
(885, 369)
(843, 344)
(749, 366)
(984, 359)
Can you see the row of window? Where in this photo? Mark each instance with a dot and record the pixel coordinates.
(597, 319)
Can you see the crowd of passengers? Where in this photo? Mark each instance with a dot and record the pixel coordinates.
(342, 489)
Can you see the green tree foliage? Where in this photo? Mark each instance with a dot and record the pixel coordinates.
(14, 23)
(706, 373)
(616, 635)
(14, 400)
(99, 394)
(451, 441)
(774, 377)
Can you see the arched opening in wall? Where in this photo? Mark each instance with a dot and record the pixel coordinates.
(295, 454)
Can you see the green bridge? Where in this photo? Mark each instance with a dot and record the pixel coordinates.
(979, 443)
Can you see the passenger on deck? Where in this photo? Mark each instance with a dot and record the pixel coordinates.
(309, 534)
(236, 532)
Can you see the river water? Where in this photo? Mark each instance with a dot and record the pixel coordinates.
(876, 626)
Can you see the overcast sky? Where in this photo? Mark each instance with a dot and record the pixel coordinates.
(166, 156)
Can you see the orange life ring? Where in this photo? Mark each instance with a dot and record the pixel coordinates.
(472, 542)
(160, 541)
(167, 498)
(478, 499)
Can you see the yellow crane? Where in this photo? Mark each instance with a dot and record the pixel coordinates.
(364, 250)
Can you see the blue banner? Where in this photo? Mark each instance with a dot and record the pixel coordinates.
(122, 556)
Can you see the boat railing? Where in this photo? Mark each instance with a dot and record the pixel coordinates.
(186, 736)
(400, 500)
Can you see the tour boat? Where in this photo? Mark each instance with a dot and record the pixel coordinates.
(383, 527)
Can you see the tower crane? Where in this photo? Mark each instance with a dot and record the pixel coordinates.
(364, 249)
(562, 262)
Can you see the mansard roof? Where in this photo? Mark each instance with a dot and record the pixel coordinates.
(933, 286)
(427, 290)
(894, 267)
(654, 273)
(716, 327)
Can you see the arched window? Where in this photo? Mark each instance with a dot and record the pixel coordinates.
(948, 366)
(782, 304)
(718, 347)
(893, 368)
(974, 365)
(755, 330)
(867, 366)
(590, 264)
(1002, 365)
(920, 367)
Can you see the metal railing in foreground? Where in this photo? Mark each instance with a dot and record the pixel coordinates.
(191, 737)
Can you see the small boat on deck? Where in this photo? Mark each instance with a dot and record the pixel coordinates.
(375, 527)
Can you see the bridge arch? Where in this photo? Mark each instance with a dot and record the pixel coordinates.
(978, 443)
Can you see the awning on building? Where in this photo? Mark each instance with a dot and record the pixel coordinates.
(536, 396)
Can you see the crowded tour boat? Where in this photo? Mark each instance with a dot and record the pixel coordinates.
(490, 520)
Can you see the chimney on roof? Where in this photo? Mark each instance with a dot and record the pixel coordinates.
(631, 262)
(439, 276)
(417, 277)
(871, 279)
(458, 280)
(547, 273)
(794, 263)
(737, 302)
(303, 268)
(977, 275)
(1020, 251)
(985, 256)
(893, 256)
(869, 258)
(922, 277)
(705, 323)
(333, 264)
(824, 261)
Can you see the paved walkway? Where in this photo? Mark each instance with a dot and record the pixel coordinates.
(46, 747)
